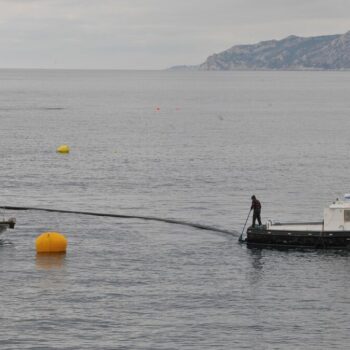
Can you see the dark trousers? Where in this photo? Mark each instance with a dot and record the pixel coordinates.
(256, 215)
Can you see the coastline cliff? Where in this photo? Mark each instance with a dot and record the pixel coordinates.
(328, 52)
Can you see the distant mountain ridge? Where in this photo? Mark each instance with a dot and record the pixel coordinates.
(328, 52)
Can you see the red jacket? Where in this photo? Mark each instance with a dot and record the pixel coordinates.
(256, 205)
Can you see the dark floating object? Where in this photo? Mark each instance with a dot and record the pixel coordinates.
(333, 232)
(5, 224)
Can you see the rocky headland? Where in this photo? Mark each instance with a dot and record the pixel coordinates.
(328, 52)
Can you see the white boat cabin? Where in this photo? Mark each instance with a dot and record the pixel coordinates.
(335, 218)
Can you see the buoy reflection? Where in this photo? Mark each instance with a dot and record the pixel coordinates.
(48, 261)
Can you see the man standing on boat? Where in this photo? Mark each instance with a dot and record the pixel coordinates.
(256, 207)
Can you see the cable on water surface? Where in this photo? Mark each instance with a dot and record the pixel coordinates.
(123, 216)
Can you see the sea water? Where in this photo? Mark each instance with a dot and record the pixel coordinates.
(193, 147)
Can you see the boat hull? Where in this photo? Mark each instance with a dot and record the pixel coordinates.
(303, 239)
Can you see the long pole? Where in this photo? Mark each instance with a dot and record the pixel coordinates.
(241, 235)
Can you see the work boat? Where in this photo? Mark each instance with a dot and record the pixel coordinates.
(332, 232)
(5, 224)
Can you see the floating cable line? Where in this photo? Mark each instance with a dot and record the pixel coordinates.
(123, 216)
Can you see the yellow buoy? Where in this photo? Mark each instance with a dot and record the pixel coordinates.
(51, 242)
(63, 149)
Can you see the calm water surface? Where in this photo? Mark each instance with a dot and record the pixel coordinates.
(216, 139)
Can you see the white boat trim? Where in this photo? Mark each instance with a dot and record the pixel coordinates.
(306, 227)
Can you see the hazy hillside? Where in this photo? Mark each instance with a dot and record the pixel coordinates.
(330, 52)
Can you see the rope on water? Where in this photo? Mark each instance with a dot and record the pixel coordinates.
(151, 218)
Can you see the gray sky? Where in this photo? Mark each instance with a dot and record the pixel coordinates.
(151, 34)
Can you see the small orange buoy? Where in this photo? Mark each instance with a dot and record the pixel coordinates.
(51, 242)
(158, 109)
(63, 149)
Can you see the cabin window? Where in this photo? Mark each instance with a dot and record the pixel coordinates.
(347, 215)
